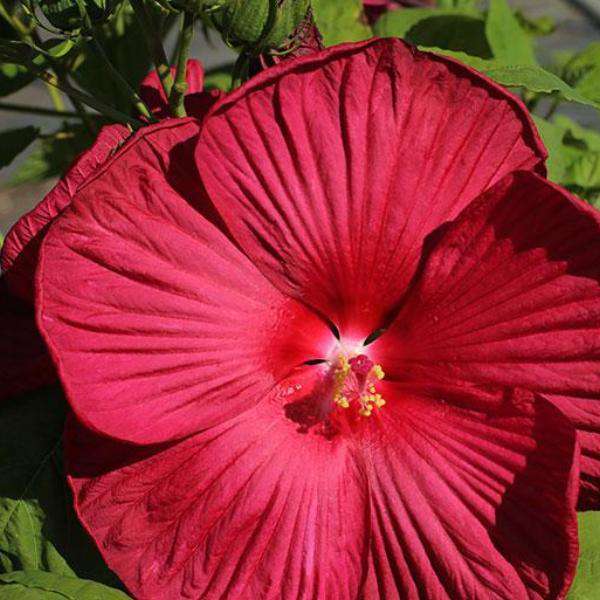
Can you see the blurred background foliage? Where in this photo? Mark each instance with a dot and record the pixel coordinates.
(98, 51)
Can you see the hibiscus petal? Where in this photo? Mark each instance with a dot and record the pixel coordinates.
(197, 102)
(250, 509)
(159, 326)
(509, 294)
(25, 363)
(472, 503)
(21, 246)
(330, 170)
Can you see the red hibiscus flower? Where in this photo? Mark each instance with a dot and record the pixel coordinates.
(197, 100)
(28, 365)
(242, 427)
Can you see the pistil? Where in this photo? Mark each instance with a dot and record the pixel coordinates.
(355, 384)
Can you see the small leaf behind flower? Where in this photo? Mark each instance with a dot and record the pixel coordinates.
(509, 42)
(585, 586)
(583, 72)
(52, 155)
(13, 77)
(14, 141)
(558, 159)
(340, 21)
(529, 77)
(34, 585)
(38, 527)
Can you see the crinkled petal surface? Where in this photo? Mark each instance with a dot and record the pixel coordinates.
(330, 170)
(509, 295)
(21, 246)
(458, 502)
(25, 364)
(473, 496)
(159, 326)
(249, 509)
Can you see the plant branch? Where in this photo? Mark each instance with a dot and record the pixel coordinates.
(155, 46)
(102, 108)
(556, 102)
(27, 35)
(13, 21)
(180, 86)
(121, 82)
(36, 110)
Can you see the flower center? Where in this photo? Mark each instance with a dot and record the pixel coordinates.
(355, 384)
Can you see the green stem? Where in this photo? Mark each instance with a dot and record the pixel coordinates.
(131, 94)
(155, 46)
(36, 110)
(56, 98)
(13, 21)
(105, 109)
(121, 82)
(63, 79)
(555, 104)
(180, 86)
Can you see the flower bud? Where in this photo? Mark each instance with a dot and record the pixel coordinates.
(66, 14)
(257, 25)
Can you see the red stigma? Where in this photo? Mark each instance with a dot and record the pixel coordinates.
(361, 364)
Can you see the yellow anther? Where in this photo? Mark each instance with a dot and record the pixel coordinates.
(343, 402)
(378, 372)
(379, 401)
(372, 389)
(344, 364)
(365, 412)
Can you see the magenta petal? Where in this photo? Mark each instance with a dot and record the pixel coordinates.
(21, 246)
(250, 509)
(159, 326)
(472, 503)
(509, 294)
(153, 94)
(330, 170)
(584, 413)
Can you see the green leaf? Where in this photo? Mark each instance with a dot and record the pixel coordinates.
(532, 79)
(14, 141)
(459, 30)
(340, 21)
(509, 43)
(52, 155)
(476, 62)
(219, 78)
(398, 23)
(584, 172)
(468, 4)
(578, 135)
(536, 79)
(36, 585)
(125, 45)
(583, 72)
(587, 579)
(13, 77)
(538, 27)
(21, 53)
(38, 527)
(57, 48)
(558, 160)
